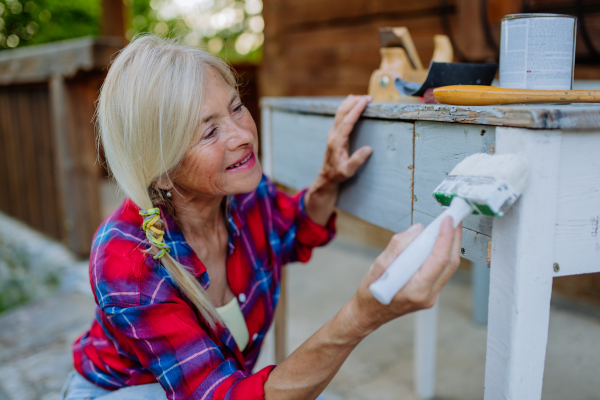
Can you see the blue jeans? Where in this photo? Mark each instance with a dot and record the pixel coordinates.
(79, 388)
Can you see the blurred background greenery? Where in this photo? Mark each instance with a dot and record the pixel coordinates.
(230, 28)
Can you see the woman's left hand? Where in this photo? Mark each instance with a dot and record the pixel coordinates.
(339, 164)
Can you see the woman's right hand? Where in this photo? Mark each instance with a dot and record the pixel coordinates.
(422, 289)
(310, 368)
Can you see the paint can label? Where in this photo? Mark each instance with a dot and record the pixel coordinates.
(537, 51)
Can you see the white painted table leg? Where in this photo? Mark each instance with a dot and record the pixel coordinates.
(480, 286)
(266, 142)
(425, 352)
(521, 272)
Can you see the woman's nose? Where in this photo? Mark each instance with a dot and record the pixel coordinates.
(239, 137)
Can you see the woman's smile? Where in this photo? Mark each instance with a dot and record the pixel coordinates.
(246, 163)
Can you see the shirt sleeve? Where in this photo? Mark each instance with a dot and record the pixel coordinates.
(298, 233)
(169, 342)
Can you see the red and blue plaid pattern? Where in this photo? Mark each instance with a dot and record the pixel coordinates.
(146, 331)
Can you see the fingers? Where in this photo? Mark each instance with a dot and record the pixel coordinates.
(453, 263)
(357, 159)
(348, 122)
(349, 112)
(441, 255)
(345, 106)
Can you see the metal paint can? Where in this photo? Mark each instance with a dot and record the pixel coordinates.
(537, 51)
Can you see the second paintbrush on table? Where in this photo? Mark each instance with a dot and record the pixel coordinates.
(479, 95)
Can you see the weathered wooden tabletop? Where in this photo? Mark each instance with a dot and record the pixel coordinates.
(536, 116)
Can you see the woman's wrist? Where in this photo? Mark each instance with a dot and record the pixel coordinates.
(357, 322)
(320, 199)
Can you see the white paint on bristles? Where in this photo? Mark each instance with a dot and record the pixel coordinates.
(513, 168)
(483, 180)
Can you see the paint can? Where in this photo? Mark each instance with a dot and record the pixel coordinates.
(537, 51)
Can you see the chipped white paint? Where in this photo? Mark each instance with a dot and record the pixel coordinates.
(521, 271)
(577, 241)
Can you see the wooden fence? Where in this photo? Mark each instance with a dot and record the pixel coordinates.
(49, 174)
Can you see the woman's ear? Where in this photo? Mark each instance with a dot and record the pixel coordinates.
(163, 182)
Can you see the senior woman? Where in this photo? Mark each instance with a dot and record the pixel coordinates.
(186, 272)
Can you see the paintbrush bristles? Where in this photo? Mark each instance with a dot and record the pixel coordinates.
(511, 167)
(490, 184)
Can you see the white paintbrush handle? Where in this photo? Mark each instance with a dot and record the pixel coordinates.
(411, 259)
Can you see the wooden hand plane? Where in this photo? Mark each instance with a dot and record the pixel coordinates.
(399, 59)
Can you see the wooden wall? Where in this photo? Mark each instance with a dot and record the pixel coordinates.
(331, 47)
(49, 174)
(29, 191)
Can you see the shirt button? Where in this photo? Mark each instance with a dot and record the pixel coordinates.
(242, 297)
(254, 337)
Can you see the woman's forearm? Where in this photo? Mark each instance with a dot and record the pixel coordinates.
(320, 199)
(308, 370)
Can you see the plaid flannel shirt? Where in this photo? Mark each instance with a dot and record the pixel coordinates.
(145, 330)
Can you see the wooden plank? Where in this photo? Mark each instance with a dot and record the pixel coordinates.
(4, 165)
(45, 163)
(299, 143)
(67, 57)
(84, 173)
(308, 13)
(30, 194)
(577, 240)
(438, 148)
(521, 272)
(62, 160)
(381, 191)
(15, 180)
(536, 116)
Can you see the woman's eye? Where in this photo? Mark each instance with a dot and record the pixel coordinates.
(238, 108)
(211, 133)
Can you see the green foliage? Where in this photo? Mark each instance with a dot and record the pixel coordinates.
(33, 22)
(237, 37)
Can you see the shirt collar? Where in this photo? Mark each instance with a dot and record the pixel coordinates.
(183, 252)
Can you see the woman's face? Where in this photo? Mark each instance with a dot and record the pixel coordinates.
(222, 160)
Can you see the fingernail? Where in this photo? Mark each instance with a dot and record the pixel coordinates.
(414, 228)
(366, 152)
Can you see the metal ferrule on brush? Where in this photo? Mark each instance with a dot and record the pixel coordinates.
(487, 195)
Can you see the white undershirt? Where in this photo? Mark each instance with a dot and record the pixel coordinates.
(235, 322)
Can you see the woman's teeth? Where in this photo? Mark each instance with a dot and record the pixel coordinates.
(241, 162)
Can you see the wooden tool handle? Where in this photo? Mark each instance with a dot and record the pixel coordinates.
(473, 95)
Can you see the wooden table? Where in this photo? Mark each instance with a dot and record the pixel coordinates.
(553, 230)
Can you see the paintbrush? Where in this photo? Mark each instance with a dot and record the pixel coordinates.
(476, 95)
(480, 184)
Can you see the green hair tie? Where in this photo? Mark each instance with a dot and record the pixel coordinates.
(151, 216)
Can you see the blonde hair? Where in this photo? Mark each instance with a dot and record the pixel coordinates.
(148, 115)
